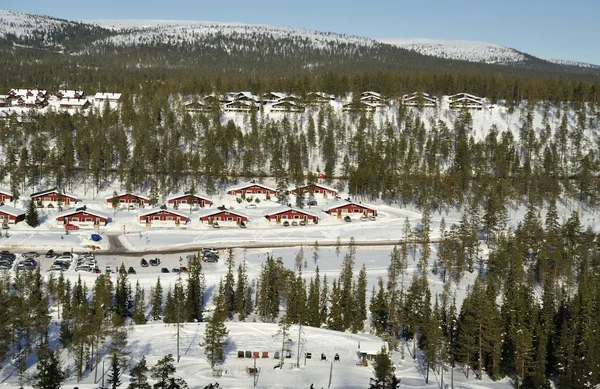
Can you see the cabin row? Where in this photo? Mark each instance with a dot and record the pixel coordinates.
(86, 217)
(458, 101)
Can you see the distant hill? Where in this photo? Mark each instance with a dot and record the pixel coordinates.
(226, 48)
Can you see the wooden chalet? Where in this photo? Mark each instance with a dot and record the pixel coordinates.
(368, 350)
(343, 208)
(197, 106)
(251, 189)
(292, 214)
(5, 100)
(245, 96)
(31, 102)
(184, 198)
(129, 199)
(6, 196)
(271, 97)
(11, 215)
(14, 93)
(83, 217)
(70, 94)
(50, 198)
(362, 106)
(74, 104)
(419, 99)
(316, 189)
(286, 106)
(241, 106)
(319, 97)
(111, 97)
(162, 217)
(370, 97)
(466, 100)
(224, 217)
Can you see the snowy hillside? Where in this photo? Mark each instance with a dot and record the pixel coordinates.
(574, 63)
(471, 51)
(24, 25)
(135, 32)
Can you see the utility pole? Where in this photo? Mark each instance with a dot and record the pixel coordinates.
(103, 374)
(298, 353)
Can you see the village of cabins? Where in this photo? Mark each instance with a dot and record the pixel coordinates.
(172, 213)
(18, 101)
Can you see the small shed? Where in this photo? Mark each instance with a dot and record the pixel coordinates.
(368, 350)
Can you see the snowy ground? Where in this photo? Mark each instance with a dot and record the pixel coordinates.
(154, 340)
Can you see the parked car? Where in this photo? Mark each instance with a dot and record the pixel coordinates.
(83, 268)
(108, 269)
(364, 218)
(26, 266)
(311, 202)
(183, 269)
(8, 254)
(143, 263)
(372, 218)
(67, 254)
(96, 270)
(302, 222)
(211, 258)
(347, 219)
(209, 250)
(216, 225)
(71, 227)
(250, 206)
(164, 270)
(175, 270)
(50, 254)
(295, 223)
(242, 224)
(131, 270)
(56, 268)
(5, 226)
(155, 261)
(286, 223)
(30, 254)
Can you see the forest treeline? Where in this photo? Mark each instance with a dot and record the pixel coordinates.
(406, 155)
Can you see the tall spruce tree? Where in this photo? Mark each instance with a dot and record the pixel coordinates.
(31, 216)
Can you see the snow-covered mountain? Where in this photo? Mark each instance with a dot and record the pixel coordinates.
(471, 51)
(474, 51)
(253, 47)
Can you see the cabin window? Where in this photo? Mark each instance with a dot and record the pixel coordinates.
(169, 218)
(121, 200)
(156, 218)
(229, 219)
(88, 219)
(74, 219)
(296, 217)
(284, 216)
(356, 210)
(259, 191)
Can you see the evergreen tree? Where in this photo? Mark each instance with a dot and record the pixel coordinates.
(195, 290)
(139, 305)
(215, 337)
(162, 372)
(157, 301)
(115, 373)
(384, 372)
(139, 376)
(50, 374)
(240, 292)
(32, 217)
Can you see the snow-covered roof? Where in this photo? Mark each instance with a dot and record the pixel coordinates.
(463, 95)
(249, 184)
(5, 191)
(24, 92)
(321, 95)
(11, 210)
(70, 94)
(186, 195)
(107, 96)
(343, 203)
(53, 190)
(328, 188)
(215, 211)
(76, 103)
(72, 211)
(282, 209)
(273, 95)
(372, 347)
(128, 193)
(157, 210)
(370, 93)
(245, 96)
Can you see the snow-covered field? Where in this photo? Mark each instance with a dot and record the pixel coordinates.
(156, 339)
